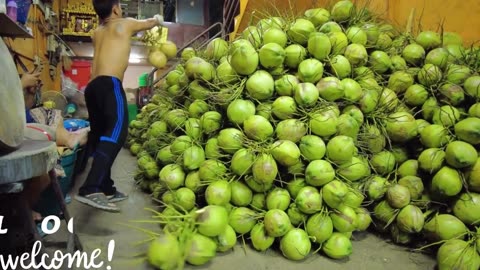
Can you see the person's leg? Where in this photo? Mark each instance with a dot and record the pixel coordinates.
(108, 184)
(111, 191)
(33, 189)
(32, 192)
(97, 124)
(113, 109)
(94, 98)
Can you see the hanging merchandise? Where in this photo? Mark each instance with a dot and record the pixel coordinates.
(65, 58)
(54, 52)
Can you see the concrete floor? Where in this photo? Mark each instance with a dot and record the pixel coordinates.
(96, 228)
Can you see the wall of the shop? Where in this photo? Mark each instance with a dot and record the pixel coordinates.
(37, 46)
(190, 14)
(250, 11)
(459, 16)
(133, 72)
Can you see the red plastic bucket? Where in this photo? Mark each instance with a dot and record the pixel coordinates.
(79, 73)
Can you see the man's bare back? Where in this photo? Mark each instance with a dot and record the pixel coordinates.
(111, 49)
(111, 42)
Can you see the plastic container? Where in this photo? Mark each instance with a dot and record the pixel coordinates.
(23, 6)
(71, 109)
(12, 10)
(143, 80)
(132, 112)
(79, 73)
(75, 124)
(68, 164)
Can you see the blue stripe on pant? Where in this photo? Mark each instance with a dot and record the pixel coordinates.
(120, 113)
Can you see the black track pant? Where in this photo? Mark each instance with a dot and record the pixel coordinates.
(107, 111)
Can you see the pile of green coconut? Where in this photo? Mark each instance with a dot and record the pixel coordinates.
(308, 129)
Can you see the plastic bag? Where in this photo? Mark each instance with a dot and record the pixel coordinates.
(75, 124)
(78, 99)
(69, 87)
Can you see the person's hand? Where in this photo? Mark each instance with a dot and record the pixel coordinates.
(159, 18)
(30, 80)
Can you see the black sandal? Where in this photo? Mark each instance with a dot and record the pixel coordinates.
(98, 200)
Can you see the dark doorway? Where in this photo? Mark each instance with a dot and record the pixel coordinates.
(169, 10)
(217, 11)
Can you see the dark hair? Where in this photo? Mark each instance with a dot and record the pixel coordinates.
(103, 8)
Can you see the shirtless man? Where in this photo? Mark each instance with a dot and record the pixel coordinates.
(106, 101)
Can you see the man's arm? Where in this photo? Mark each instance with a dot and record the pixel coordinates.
(136, 26)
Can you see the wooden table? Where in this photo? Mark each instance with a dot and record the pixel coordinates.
(33, 158)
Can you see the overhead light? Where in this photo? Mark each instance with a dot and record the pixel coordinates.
(134, 60)
(134, 55)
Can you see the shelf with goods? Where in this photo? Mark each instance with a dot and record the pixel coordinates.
(40, 49)
(79, 20)
(11, 28)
